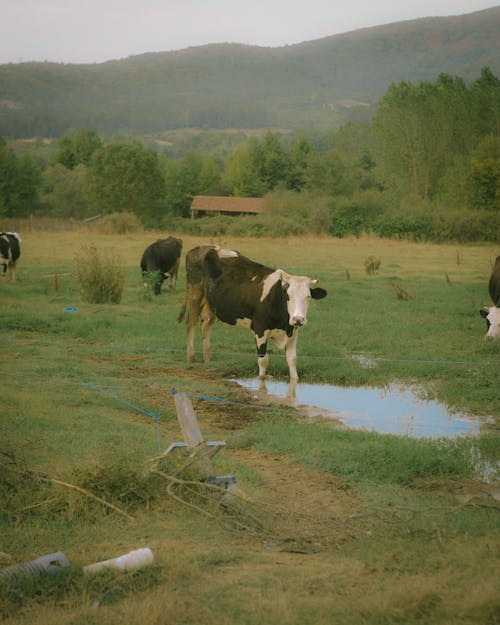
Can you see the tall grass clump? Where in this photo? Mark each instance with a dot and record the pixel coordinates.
(118, 223)
(363, 456)
(99, 275)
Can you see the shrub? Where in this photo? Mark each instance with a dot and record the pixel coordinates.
(242, 226)
(467, 225)
(356, 214)
(372, 265)
(413, 228)
(100, 276)
(347, 220)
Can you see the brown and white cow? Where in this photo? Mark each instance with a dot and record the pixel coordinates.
(222, 284)
(10, 250)
(492, 314)
(161, 260)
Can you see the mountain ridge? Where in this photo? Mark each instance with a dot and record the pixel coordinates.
(232, 85)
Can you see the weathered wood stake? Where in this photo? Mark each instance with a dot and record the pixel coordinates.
(192, 433)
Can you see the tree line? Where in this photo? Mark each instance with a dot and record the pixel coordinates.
(429, 157)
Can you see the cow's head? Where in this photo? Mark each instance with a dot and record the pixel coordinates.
(299, 290)
(492, 318)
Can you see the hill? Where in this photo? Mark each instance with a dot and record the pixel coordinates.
(319, 83)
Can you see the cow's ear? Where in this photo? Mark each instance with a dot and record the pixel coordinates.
(318, 293)
(484, 312)
(284, 277)
(212, 264)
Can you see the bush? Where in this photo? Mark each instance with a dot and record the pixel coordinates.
(413, 228)
(100, 276)
(352, 216)
(294, 214)
(467, 225)
(242, 226)
(346, 220)
(372, 265)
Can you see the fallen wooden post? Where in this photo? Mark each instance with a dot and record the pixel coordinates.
(199, 451)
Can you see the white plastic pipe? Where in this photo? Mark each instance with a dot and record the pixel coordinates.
(133, 560)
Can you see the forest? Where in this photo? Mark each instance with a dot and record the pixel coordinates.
(314, 84)
(426, 167)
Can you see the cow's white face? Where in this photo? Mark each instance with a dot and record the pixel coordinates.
(492, 316)
(299, 296)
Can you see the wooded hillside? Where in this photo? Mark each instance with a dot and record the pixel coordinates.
(317, 84)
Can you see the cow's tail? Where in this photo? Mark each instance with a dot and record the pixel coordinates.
(182, 311)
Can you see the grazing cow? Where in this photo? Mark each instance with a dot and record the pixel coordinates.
(223, 284)
(492, 314)
(163, 258)
(10, 250)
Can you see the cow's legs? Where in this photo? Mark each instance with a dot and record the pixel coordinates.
(193, 304)
(160, 280)
(207, 321)
(173, 274)
(291, 356)
(262, 355)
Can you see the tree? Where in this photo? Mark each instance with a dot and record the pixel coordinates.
(326, 173)
(182, 182)
(421, 129)
(126, 177)
(20, 183)
(29, 182)
(78, 149)
(269, 161)
(190, 167)
(65, 191)
(210, 179)
(485, 103)
(484, 178)
(240, 177)
(175, 198)
(400, 123)
(299, 155)
(8, 176)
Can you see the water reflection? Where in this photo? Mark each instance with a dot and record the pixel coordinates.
(390, 410)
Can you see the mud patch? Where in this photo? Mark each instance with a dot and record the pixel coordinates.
(226, 407)
(302, 510)
(226, 416)
(466, 492)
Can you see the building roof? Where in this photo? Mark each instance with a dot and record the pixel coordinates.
(224, 204)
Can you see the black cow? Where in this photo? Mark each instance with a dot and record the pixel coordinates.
(492, 314)
(10, 250)
(162, 258)
(223, 284)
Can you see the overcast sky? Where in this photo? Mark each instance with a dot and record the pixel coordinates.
(92, 31)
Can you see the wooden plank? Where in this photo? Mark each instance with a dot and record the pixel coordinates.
(192, 433)
(187, 420)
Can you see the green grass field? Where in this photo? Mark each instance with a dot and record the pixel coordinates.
(332, 525)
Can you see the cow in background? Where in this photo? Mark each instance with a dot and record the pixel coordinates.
(492, 314)
(162, 258)
(222, 284)
(10, 251)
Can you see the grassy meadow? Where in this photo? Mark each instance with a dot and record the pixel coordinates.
(332, 525)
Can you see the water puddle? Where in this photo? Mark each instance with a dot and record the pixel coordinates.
(389, 410)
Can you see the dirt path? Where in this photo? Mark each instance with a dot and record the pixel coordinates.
(303, 510)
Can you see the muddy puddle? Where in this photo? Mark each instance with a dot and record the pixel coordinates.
(390, 410)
